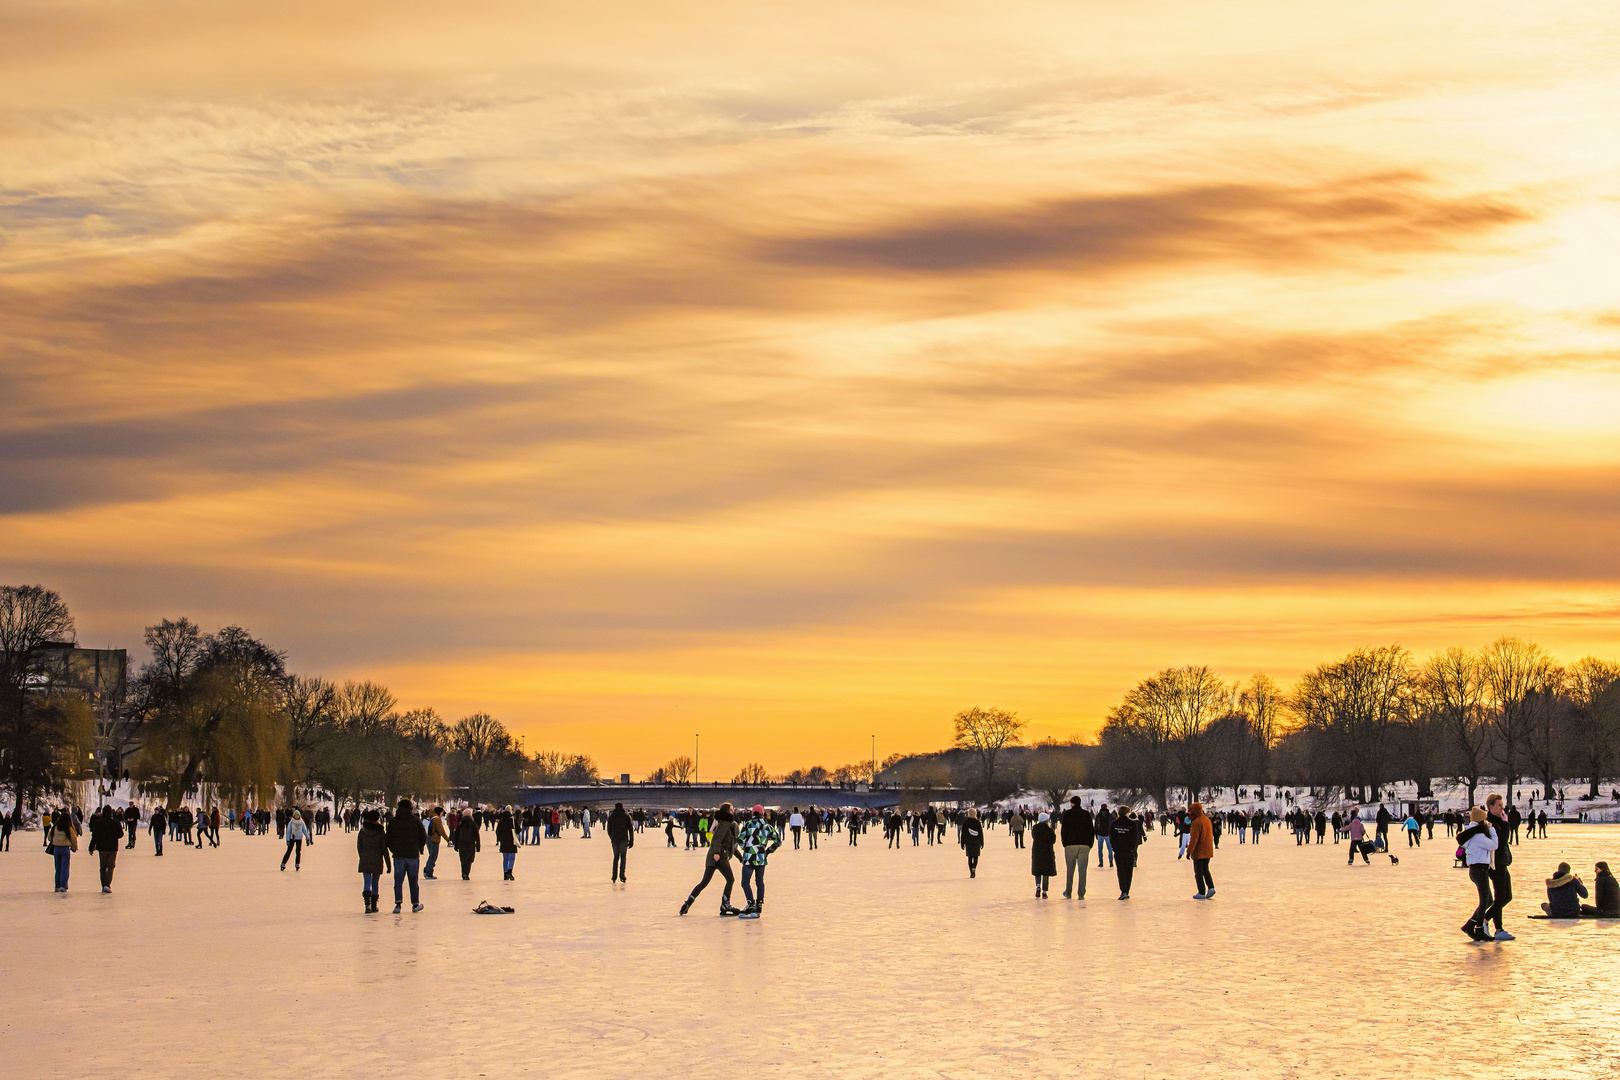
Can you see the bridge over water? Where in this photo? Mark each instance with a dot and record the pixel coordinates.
(654, 796)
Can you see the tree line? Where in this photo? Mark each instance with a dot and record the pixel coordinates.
(222, 709)
(1375, 716)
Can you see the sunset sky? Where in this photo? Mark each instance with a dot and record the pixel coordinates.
(795, 374)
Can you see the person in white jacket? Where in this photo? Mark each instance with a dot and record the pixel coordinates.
(1478, 842)
(297, 833)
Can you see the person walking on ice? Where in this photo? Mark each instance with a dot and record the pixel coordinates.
(972, 840)
(1079, 835)
(722, 845)
(1201, 849)
(756, 840)
(371, 843)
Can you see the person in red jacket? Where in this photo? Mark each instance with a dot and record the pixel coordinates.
(1201, 849)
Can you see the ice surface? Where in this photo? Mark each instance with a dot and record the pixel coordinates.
(868, 963)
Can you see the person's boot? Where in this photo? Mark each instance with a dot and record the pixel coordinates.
(686, 906)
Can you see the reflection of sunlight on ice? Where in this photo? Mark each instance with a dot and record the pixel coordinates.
(868, 963)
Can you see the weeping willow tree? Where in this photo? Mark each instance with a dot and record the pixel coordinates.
(215, 711)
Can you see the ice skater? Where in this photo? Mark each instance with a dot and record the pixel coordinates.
(756, 840)
(722, 845)
(621, 832)
(297, 835)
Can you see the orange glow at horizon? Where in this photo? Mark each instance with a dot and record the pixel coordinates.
(798, 376)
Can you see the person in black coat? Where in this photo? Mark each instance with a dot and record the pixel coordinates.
(1125, 836)
(406, 839)
(372, 844)
(972, 839)
(621, 834)
(105, 832)
(467, 843)
(1079, 835)
(1606, 891)
(506, 837)
(1043, 854)
(158, 826)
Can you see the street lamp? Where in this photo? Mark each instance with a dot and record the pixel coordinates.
(697, 746)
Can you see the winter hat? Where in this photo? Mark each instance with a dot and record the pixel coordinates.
(758, 809)
(1477, 814)
(1043, 817)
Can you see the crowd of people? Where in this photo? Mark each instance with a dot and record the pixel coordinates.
(394, 840)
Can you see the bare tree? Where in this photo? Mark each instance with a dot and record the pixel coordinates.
(1594, 691)
(1451, 689)
(483, 757)
(1514, 671)
(363, 705)
(1352, 707)
(31, 616)
(986, 732)
(678, 770)
(1056, 771)
(312, 720)
(752, 773)
(1263, 703)
(579, 769)
(1546, 747)
(1194, 697)
(815, 774)
(219, 716)
(1136, 749)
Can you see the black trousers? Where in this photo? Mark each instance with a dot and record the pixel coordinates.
(1201, 876)
(619, 849)
(295, 852)
(1125, 867)
(1502, 883)
(109, 860)
(467, 855)
(1480, 875)
(712, 867)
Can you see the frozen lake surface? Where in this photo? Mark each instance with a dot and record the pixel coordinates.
(867, 963)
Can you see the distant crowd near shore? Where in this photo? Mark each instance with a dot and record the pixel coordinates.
(394, 841)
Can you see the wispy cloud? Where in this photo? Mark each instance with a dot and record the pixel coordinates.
(999, 354)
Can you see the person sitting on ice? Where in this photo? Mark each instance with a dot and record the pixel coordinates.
(1607, 893)
(1564, 894)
